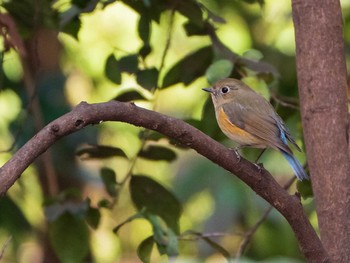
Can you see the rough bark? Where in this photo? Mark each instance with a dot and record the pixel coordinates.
(322, 74)
(260, 181)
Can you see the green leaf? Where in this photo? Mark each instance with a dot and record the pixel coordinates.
(158, 153)
(214, 17)
(150, 135)
(12, 218)
(131, 95)
(156, 199)
(112, 69)
(105, 3)
(147, 78)
(150, 8)
(99, 152)
(253, 54)
(164, 236)
(80, 3)
(104, 203)
(156, 136)
(189, 68)
(305, 189)
(69, 237)
(144, 28)
(220, 69)
(159, 228)
(193, 29)
(72, 27)
(145, 50)
(144, 250)
(110, 181)
(192, 10)
(129, 64)
(93, 217)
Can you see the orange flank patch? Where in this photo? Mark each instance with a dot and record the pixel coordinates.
(235, 133)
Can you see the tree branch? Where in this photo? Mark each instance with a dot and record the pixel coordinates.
(260, 181)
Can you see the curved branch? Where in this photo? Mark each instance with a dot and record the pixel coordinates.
(260, 181)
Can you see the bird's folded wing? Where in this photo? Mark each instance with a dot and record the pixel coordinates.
(262, 126)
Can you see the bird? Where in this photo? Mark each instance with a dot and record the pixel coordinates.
(250, 120)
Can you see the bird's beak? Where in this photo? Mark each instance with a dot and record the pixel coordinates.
(210, 90)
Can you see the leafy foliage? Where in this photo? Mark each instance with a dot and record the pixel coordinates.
(69, 237)
(156, 200)
(144, 250)
(189, 68)
(99, 152)
(305, 189)
(131, 95)
(129, 64)
(161, 209)
(12, 217)
(110, 181)
(157, 153)
(219, 70)
(147, 78)
(112, 69)
(67, 226)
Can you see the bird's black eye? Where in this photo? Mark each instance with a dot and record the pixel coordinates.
(224, 89)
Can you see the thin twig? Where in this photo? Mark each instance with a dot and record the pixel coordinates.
(249, 234)
(211, 243)
(165, 52)
(133, 162)
(284, 101)
(3, 249)
(193, 237)
(168, 40)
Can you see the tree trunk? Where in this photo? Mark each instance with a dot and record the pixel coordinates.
(322, 78)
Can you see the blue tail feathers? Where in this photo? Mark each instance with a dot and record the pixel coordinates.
(296, 166)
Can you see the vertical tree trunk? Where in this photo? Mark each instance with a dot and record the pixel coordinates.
(322, 75)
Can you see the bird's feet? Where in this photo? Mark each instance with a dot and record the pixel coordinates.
(260, 166)
(235, 150)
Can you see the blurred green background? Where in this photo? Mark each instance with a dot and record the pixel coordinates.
(159, 54)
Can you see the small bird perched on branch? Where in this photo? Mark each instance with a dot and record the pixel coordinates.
(248, 119)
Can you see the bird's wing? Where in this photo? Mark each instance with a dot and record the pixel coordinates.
(261, 124)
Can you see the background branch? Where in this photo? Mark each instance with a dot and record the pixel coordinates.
(247, 237)
(260, 181)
